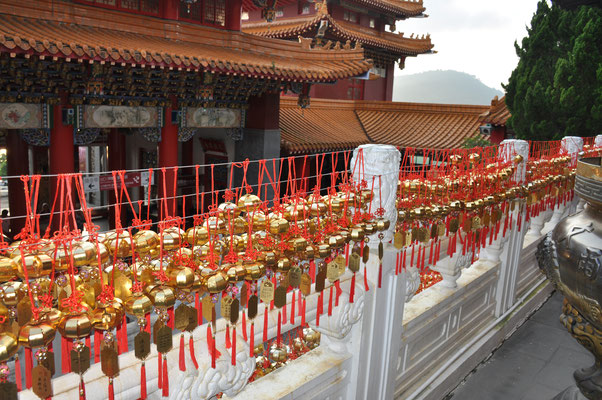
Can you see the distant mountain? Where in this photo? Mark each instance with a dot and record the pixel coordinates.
(447, 87)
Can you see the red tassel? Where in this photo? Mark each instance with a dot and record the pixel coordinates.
(275, 285)
(279, 337)
(192, 355)
(111, 392)
(148, 324)
(284, 313)
(18, 378)
(352, 289)
(124, 334)
(182, 360)
(299, 302)
(265, 324)
(244, 327)
(170, 321)
(330, 302)
(65, 358)
(319, 308)
(197, 305)
(303, 314)
(165, 378)
(228, 344)
(143, 382)
(312, 271)
(97, 340)
(82, 390)
(366, 287)
(339, 291)
(88, 342)
(159, 370)
(293, 309)
(233, 345)
(252, 340)
(28, 367)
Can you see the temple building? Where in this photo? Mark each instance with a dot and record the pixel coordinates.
(98, 85)
(339, 25)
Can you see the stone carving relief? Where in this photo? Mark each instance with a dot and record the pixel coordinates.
(379, 161)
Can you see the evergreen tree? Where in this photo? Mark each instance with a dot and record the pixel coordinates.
(556, 89)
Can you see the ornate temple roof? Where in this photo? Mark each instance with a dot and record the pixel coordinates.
(401, 8)
(497, 114)
(343, 124)
(75, 31)
(308, 26)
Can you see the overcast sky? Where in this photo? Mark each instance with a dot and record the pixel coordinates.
(473, 36)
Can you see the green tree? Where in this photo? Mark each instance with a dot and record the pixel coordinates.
(556, 88)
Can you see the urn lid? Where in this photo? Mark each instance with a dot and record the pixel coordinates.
(588, 181)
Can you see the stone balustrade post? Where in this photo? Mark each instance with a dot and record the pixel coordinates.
(510, 255)
(451, 268)
(598, 141)
(383, 307)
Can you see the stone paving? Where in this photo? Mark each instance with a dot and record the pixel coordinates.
(535, 363)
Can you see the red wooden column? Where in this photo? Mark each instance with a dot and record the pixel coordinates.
(17, 163)
(116, 162)
(233, 14)
(168, 157)
(61, 158)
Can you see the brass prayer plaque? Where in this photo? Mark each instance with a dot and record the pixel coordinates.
(252, 306)
(142, 345)
(280, 297)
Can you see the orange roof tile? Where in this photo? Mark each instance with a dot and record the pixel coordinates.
(343, 30)
(420, 125)
(402, 8)
(340, 124)
(497, 114)
(327, 125)
(77, 31)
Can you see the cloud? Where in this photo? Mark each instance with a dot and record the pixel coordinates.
(473, 36)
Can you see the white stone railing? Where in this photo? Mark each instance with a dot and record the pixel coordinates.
(388, 343)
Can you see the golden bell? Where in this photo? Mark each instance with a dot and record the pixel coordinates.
(107, 316)
(323, 250)
(278, 354)
(248, 202)
(309, 253)
(357, 234)
(162, 296)
(14, 249)
(75, 326)
(51, 315)
(36, 265)
(278, 226)
(8, 346)
(318, 208)
(138, 305)
(296, 212)
(172, 238)
(197, 235)
(84, 253)
(284, 264)
(254, 271)
(298, 244)
(228, 209)
(12, 293)
(336, 241)
(120, 246)
(123, 286)
(270, 258)
(8, 268)
(382, 224)
(236, 273)
(216, 282)
(145, 241)
(181, 277)
(215, 226)
(239, 225)
(311, 336)
(104, 255)
(259, 221)
(36, 334)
